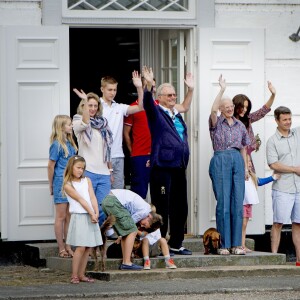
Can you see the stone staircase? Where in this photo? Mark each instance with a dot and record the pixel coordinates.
(197, 265)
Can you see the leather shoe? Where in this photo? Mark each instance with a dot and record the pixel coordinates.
(132, 267)
(181, 251)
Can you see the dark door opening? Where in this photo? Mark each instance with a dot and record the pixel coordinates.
(96, 52)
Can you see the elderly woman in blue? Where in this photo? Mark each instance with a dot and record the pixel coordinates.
(227, 171)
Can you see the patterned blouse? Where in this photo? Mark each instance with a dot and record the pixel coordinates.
(226, 137)
(253, 117)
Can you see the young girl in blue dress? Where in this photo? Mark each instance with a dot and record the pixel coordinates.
(84, 231)
(61, 149)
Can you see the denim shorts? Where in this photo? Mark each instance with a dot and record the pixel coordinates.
(57, 186)
(286, 207)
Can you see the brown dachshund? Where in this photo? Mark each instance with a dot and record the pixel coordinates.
(211, 241)
(108, 223)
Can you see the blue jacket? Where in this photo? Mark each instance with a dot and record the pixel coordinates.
(168, 149)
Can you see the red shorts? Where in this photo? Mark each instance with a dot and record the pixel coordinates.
(247, 211)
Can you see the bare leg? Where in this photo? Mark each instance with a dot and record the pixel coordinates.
(275, 237)
(60, 219)
(83, 263)
(164, 247)
(127, 245)
(296, 239)
(77, 260)
(66, 227)
(245, 223)
(145, 247)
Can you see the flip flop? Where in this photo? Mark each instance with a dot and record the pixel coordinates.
(64, 254)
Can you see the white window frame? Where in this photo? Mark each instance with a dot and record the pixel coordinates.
(139, 16)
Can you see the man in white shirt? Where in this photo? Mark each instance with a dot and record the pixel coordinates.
(114, 113)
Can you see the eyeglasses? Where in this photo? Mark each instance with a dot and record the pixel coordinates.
(169, 95)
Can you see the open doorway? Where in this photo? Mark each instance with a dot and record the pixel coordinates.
(95, 53)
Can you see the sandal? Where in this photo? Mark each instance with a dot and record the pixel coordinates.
(64, 254)
(86, 279)
(237, 251)
(70, 252)
(223, 251)
(247, 250)
(75, 280)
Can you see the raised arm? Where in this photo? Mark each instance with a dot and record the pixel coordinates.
(137, 81)
(273, 93)
(216, 105)
(185, 105)
(84, 103)
(148, 75)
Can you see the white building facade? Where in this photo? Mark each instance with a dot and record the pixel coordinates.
(245, 40)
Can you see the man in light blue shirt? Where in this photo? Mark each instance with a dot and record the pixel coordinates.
(283, 156)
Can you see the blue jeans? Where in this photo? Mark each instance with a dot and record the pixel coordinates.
(101, 185)
(227, 174)
(140, 175)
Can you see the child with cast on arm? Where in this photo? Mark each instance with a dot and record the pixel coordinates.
(251, 197)
(84, 231)
(62, 147)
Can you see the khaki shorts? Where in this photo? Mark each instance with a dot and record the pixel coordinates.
(124, 223)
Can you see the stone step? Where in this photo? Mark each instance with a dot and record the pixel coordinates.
(189, 266)
(197, 260)
(41, 251)
(197, 273)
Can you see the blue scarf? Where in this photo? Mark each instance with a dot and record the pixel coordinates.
(101, 124)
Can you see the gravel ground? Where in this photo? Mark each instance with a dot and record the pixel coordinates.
(21, 275)
(29, 279)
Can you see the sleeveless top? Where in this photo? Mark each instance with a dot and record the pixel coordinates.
(82, 189)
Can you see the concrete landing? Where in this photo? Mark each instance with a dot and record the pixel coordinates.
(197, 265)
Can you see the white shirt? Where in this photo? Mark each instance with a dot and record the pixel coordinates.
(115, 116)
(251, 195)
(152, 237)
(136, 205)
(82, 188)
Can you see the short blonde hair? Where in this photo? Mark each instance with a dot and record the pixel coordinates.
(108, 80)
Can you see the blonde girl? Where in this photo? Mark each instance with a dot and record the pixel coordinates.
(62, 147)
(84, 231)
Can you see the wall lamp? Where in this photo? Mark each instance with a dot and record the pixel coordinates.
(295, 36)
